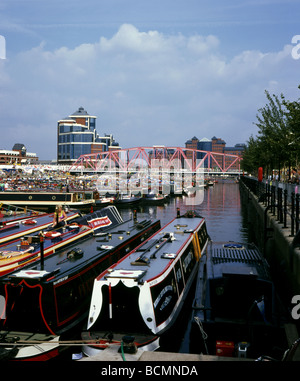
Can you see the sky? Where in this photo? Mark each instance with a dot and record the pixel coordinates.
(153, 72)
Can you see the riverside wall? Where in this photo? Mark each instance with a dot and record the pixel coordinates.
(274, 233)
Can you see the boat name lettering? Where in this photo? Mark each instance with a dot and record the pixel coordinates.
(161, 294)
(187, 260)
(178, 275)
(103, 221)
(153, 283)
(165, 302)
(60, 280)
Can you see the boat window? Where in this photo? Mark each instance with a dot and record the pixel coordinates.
(202, 235)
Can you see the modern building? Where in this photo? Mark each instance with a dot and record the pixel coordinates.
(203, 145)
(18, 155)
(217, 145)
(77, 135)
(192, 144)
(238, 150)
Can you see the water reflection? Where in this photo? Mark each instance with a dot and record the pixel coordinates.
(222, 210)
(220, 207)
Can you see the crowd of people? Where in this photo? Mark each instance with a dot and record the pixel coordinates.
(57, 183)
(288, 176)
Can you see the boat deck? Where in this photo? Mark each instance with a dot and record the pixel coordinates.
(27, 226)
(155, 255)
(57, 266)
(19, 249)
(234, 258)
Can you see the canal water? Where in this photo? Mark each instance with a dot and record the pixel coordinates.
(221, 207)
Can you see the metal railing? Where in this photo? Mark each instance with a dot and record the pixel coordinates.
(281, 199)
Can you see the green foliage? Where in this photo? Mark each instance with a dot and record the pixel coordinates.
(277, 142)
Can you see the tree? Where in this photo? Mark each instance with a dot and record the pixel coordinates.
(278, 137)
(293, 121)
(251, 156)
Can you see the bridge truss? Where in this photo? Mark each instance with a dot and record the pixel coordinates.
(169, 158)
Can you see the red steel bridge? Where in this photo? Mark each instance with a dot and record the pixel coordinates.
(170, 158)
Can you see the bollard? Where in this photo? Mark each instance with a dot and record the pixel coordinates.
(293, 215)
(284, 207)
(297, 213)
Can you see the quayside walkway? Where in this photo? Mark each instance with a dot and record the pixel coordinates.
(281, 199)
(272, 212)
(113, 354)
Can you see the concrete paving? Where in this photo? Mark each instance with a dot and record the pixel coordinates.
(112, 354)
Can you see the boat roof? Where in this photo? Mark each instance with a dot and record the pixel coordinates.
(233, 259)
(22, 227)
(155, 255)
(59, 265)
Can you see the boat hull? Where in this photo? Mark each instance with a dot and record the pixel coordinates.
(126, 201)
(47, 200)
(235, 310)
(57, 301)
(149, 199)
(18, 254)
(29, 346)
(143, 294)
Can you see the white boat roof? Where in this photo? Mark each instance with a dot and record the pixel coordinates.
(154, 255)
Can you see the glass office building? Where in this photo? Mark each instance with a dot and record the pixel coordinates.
(77, 135)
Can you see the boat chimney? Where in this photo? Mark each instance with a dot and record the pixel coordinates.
(42, 249)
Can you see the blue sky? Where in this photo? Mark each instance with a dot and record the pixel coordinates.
(153, 72)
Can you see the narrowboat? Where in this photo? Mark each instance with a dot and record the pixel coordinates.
(125, 200)
(102, 201)
(141, 295)
(236, 311)
(47, 201)
(11, 213)
(54, 299)
(34, 247)
(154, 199)
(17, 228)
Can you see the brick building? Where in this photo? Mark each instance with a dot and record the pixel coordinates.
(217, 145)
(18, 155)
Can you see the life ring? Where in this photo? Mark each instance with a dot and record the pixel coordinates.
(29, 222)
(52, 234)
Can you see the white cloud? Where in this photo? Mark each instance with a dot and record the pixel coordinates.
(145, 87)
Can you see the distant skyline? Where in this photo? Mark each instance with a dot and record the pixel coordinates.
(153, 73)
